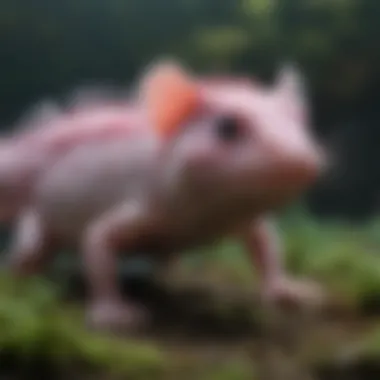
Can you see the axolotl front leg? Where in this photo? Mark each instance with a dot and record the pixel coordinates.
(33, 247)
(102, 241)
(266, 252)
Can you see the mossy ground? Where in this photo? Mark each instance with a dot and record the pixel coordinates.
(207, 322)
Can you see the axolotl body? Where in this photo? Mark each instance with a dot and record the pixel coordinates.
(198, 162)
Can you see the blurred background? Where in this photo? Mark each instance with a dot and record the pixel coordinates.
(49, 47)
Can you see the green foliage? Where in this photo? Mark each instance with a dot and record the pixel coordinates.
(50, 46)
(34, 324)
(342, 257)
(234, 370)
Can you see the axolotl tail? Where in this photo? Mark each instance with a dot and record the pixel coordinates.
(16, 169)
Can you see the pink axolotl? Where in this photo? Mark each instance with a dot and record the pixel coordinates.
(184, 164)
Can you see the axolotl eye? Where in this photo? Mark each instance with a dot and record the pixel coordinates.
(229, 128)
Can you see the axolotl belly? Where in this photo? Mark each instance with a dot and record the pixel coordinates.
(99, 176)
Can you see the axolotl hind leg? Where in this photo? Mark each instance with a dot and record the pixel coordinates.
(31, 245)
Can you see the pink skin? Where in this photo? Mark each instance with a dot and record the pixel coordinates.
(27, 153)
(98, 187)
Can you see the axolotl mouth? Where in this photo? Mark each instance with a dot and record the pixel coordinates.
(291, 168)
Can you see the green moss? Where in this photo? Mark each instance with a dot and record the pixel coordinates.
(369, 345)
(343, 258)
(34, 324)
(234, 370)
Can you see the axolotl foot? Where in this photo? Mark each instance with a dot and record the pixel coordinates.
(289, 291)
(116, 316)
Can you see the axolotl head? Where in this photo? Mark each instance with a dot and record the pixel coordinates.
(235, 138)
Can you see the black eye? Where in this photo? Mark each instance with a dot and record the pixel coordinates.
(228, 128)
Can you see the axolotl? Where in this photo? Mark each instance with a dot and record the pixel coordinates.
(184, 163)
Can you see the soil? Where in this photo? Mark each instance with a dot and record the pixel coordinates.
(220, 325)
(216, 332)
